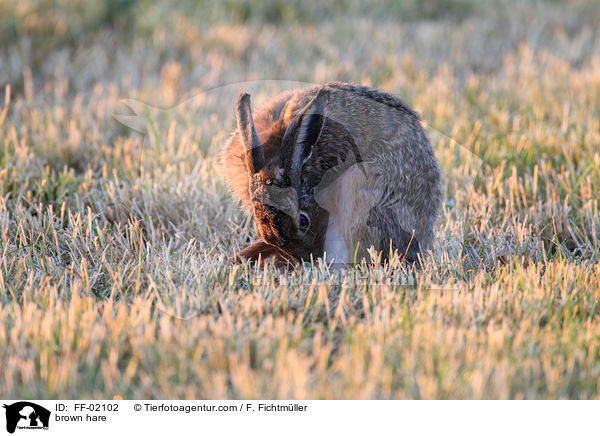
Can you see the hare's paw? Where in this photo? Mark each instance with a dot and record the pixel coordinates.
(266, 252)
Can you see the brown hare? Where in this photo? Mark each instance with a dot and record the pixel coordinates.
(330, 171)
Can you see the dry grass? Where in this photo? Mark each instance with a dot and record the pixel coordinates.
(116, 273)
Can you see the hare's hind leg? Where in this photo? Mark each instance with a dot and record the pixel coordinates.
(390, 235)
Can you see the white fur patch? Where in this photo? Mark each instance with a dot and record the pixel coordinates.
(343, 198)
(335, 246)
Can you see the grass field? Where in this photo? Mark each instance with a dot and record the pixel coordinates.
(116, 248)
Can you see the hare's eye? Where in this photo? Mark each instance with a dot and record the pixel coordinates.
(303, 221)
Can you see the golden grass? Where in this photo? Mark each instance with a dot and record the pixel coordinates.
(116, 273)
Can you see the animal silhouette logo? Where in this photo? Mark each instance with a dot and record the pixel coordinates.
(26, 415)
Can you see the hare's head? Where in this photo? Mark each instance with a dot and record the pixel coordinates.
(287, 215)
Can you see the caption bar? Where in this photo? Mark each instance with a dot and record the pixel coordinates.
(297, 417)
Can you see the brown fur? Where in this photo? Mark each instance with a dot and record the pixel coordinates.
(361, 152)
(267, 252)
(271, 127)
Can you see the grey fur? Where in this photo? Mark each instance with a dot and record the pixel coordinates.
(370, 177)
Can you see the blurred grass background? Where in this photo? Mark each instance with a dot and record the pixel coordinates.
(116, 273)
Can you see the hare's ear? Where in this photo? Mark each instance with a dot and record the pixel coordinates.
(255, 157)
(304, 132)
